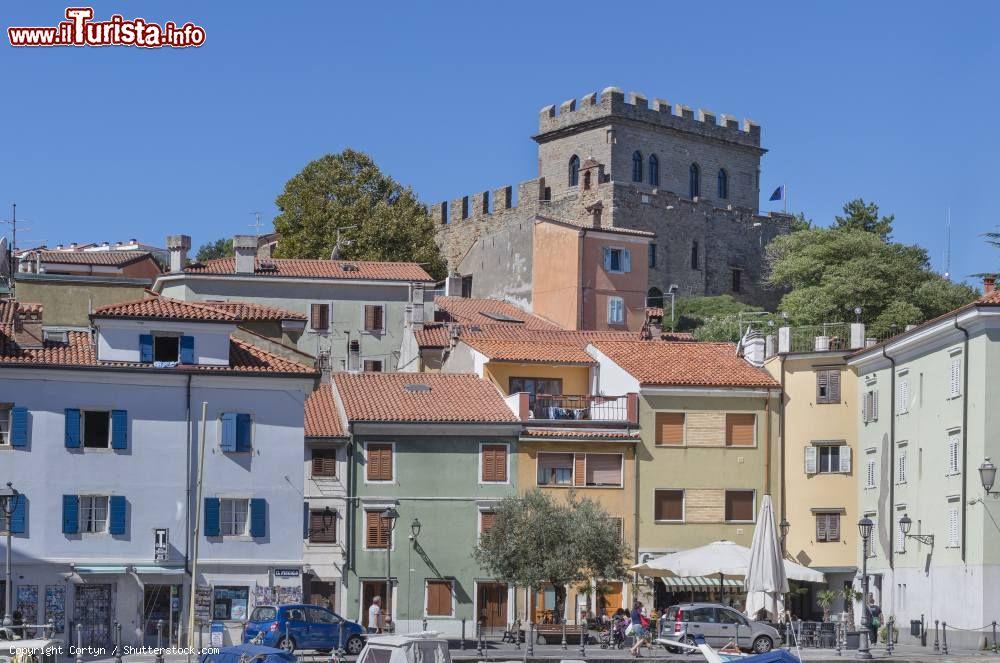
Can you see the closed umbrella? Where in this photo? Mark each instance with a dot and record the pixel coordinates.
(766, 580)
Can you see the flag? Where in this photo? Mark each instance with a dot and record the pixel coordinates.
(778, 194)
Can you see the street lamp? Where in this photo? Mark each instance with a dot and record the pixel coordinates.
(672, 291)
(415, 528)
(389, 515)
(987, 475)
(783, 528)
(8, 500)
(865, 526)
(905, 523)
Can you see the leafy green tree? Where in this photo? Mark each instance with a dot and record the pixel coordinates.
(800, 222)
(377, 218)
(220, 248)
(537, 539)
(993, 239)
(859, 215)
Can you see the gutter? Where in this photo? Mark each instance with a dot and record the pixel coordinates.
(781, 436)
(965, 433)
(892, 458)
(187, 484)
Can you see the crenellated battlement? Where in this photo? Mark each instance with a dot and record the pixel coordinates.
(612, 102)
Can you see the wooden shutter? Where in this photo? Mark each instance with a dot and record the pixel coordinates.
(372, 366)
(322, 526)
(324, 463)
(619, 526)
(833, 527)
(953, 527)
(740, 429)
(212, 516)
(187, 349)
(739, 505)
(72, 428)
(604, 469)
(19, 518)
(954, 385)
(228, 442)
(669, 505)
(117, 515)
(669, 428)
(822, 387)
(119, 429)
(438, 598)
(580, 470)
(146, 348)
(810, 457)
(373, 317)
(834, 390)
(486, 520)
(845, 458)
(319, 316)
(258, 517)
(376, 530)
(820, 527)
(380, 462)
(71, 514)
(18, 426)
(495, 462)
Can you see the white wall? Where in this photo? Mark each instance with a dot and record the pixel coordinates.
(118, 340)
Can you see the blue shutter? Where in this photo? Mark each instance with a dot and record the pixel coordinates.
(146, 348)
(71, 516)
(187, 349)
(228, 431)
(211, 516)
(607, 259)
(627, 260)
(119, 429)
(19, 427)
(244, 432)
(258, 517)
(305, 520)
(19, 518)
(117, 512)
(72, 428)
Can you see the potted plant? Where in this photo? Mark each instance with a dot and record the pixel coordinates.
(825, 599)
(883, 632)
(850, 596)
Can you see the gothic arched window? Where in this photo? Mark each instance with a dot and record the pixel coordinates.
(574, 170)
(694, 181)
(654, 170)
(636, 166)
(723, 184)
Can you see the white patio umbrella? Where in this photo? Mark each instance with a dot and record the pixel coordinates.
(766, 582)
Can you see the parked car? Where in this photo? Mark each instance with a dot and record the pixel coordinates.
(294, 627)
(718, 624)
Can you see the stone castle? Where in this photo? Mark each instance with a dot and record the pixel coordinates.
(689, 177)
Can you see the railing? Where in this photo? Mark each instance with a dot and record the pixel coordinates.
(830, 337)
(572, 409)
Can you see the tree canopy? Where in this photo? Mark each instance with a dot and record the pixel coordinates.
(859, 215)
(377, 218)
(716, 318)
(220, 248)
(537, 539)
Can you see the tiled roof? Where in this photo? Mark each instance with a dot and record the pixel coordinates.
(467, 310)
(251, 312)
(536, 351)
(433, 335)
(421, 397)
(604, 229)
(570, 434)
(699, 364)
(322, 419)
(317, 269)
(990, 299)
(165, 308)
(103, 258)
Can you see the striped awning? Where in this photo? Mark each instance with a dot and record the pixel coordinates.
(699, 583)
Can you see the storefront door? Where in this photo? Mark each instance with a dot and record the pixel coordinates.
(92, 609)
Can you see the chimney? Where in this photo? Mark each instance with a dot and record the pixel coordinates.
(245, 247)
(453, 285)
(595, 213)
(989, 285)
(754, 349)
(178, 245)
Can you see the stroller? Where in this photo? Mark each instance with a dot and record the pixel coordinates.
(613, 637)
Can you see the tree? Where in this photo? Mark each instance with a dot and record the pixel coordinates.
(859, 215)
(536, 540)
(825, 599)
(993, 239)
(800, 222)
(220, 248)
(716, 318)
(377, 218)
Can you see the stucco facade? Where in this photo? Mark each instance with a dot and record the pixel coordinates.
(68, 300)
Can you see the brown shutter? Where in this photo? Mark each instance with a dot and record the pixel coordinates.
(319, 315)
(438, 598)
(380, 462)
(833, 527)
(580, 470)
(486, 520)
(324, 463)
(372, 529)
(494, 462)
(379, 312)
(822, 387)
(820, 527)
(834, 386)
(669, 428)
(739, 505)
(740, 429)
(604, 469)
(669, 505)
(373, 317)
(319, 530)
(373, 366)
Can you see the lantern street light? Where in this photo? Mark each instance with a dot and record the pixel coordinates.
(905, 523)
(987, 475)
(9, 499)
(415, 528)
(865, 527)
(390, 516)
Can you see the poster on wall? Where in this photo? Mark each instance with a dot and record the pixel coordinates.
(277, 595)
(55, 606)
(27, 603)
(203, 605)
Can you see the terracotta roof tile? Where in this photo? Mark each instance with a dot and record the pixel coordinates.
(467, 310)
(165, 308)
(252, 312)
(322, 419)
(421, 397)
(105, 258)
(589, 434)
(433, 335)
(699, 364)
(536, 351)
(317, 269)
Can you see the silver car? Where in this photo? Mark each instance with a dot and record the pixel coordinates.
(718, 624)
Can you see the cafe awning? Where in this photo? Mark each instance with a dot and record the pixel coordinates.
(699, 583)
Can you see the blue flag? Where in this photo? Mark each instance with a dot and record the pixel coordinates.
(778, 194)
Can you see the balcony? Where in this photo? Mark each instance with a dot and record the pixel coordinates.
(576, 410)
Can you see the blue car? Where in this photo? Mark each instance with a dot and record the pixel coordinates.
(297, 626)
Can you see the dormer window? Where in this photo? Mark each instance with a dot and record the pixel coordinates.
(166, 349)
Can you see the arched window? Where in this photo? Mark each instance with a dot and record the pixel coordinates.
(654, 298)
(574, 170)
(723, 184)
(636, 166)
(694, 181)
(654, 170)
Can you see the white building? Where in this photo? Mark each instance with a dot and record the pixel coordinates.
(102, 440)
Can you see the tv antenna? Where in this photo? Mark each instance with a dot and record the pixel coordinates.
(257, 225)
(335, 253)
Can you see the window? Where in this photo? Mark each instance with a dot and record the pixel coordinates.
(955, 377)
(603, 470)
(230, 603)
(234, 517)
(654, 298)
(694, 254)
(654, 170)
(96, 429)
(953, 526)
(739, 505)
(439, 603)
(617, 261)
(535, 387)
(235, 432)
(374, 318)
(322, 526)
(828, 387)
(372, 365)
(586, 180)
(5, 424)
(827, 527)
(740, 429)
(636, 166)
(379, 462)
(555, 469)
(574, 170)
(829, 459)
(376, 530)
(324, 463)
(869, 406)
(870, 550)
(486, 520)
(493, 461)
(870, 474)
(319, 317)
(166, 348)
(903, 395)
(737, 277)
(723, 184)
(901, 465)
(93, 514)
(668, 506)
(954, 441)
(652, 258)
(616, 311)
(55, 335)
(669, 428)
(694, 181)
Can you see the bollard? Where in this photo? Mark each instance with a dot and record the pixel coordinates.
(479, 639)
(424, 624)
(944, 638)
(79, 643)
(530, 649)
(890, 628)
(583, 640)
(517, 634)
(564, 635)
(118, 643)
(159, 641)
(837, 636)
(994, 637)
(461, 643)
(937, 648)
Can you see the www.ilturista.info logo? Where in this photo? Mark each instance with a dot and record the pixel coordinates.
(81, 30)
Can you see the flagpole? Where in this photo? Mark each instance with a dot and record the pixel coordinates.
(784, 190)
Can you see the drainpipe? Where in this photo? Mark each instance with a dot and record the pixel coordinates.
(892, 460)
(781, 435)
(187, 481)
(767, 443)
(965, 424)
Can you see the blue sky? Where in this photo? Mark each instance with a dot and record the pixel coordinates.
(895, 102)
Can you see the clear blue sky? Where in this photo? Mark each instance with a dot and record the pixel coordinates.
(895, 102)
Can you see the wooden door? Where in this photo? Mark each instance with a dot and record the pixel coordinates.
(492, 602)
(369, 590)
(610, 597)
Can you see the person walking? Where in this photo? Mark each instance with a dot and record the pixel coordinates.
(375, 615)
(874, 619)
(638, 628)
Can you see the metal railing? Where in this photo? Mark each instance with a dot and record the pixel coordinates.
(567, 409)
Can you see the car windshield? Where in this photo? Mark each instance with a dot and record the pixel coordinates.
(264, 613)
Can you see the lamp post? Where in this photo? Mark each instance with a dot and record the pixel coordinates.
(865, 527)
(783, 528)
(672, 291)
(987, 475)
(905, 523)
(8, 500)
(389, 515)
(415, 528)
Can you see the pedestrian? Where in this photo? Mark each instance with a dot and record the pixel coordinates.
(874, 619)
(375, 615)
(638, 628)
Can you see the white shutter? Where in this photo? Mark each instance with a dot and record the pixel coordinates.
(953, 527)
(874, 394)
(899, 538)
(626, 260)
(870, 478)
(901, 467)
(873, 541)
(953, 446)
(903, 402)
(845, 459)
(811, 459)
(956, 377)
(607, 259)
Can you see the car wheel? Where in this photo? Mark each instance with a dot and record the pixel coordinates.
(288, 644)
(355, 644)
(762, 644)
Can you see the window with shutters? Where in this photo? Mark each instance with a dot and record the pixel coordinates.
(955, 376)
(830, 458)
(616, 311)
(668, 506)
(669, 429)
(374, 318)
(379, 461)
(869, 406)
(96, 429)
(953, 523)
(740, 505)
(870, 474)
(439, 601)
(4, 525)
(322, 526)
(827, 387)
(234, 516)
(93, 512)
(486, 520)
(603, 470)
(903, 395)
(376, 530)
(372, 365)
(954, 442)
(741, 429)
(898, 539)
(5, 423)
(166, 348)
(493, 463)
(901, 465)
(827, 527)
(617, 260)
(324, 463)
(555, 469)
(319, 317)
